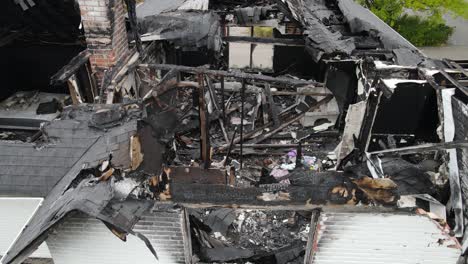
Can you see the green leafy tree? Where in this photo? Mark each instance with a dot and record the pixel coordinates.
(388, 10)
(423, 32)
(436, 8)
(426, 30)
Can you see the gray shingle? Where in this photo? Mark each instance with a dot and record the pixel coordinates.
(28, 169)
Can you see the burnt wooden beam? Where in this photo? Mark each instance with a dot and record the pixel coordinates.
(230, 87)
(299, 155)
(252, 133)
(327, 188)
(272, 106)
(454, 82)
(457, 66)
(263, 146)
(462, 63)
(365, 134)
(10, 37)
(168, 81)
(252, 47)
(70, 69)
(423, 148)
(242, 123)
(256, 110)
(251, 89)
(74, 91)
(233, 74)
(126, 67)
(223, 103)
(273, 41)
(115, 75)
(230, 147)
(250, 152)
(204, 125)
(312, 237)
(132, 17)
(289, 93)
(267, 135)
(216, 105)
(265, 117)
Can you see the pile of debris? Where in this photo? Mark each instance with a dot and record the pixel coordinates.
(249, 236)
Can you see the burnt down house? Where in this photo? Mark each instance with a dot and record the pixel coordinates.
(204, 131)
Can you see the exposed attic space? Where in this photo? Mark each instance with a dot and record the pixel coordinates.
(37, 39)
(253, 37)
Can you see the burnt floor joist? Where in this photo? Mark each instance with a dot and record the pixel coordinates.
(455, 82)
(233, 74)
(274, 41)
(423, 148)
(68, 70)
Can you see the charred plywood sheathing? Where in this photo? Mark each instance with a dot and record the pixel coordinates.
(108, 179)
(189, 30)
(360, 19)
(320, 39)
(305, 188)
(77, 75)
(336, 28)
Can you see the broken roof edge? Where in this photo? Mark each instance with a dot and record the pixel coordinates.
(362, 19)
(61, 201)
(34, 245)
(299, 207)
(42, 237)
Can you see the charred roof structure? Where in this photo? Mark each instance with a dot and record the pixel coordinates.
(283, 131)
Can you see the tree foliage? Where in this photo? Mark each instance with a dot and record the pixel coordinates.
(423, 32)
(438, 7)
(427, 30)
(388, 10)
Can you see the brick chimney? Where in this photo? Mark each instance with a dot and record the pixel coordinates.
(106, 36)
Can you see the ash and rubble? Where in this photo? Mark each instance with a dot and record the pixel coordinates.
(250, 236)
(347, 115)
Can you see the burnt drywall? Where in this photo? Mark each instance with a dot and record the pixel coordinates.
(27, 66)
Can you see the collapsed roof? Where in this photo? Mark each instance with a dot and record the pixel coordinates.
(362, 138)
(342, 27)
(98, 138)
(184, 28)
